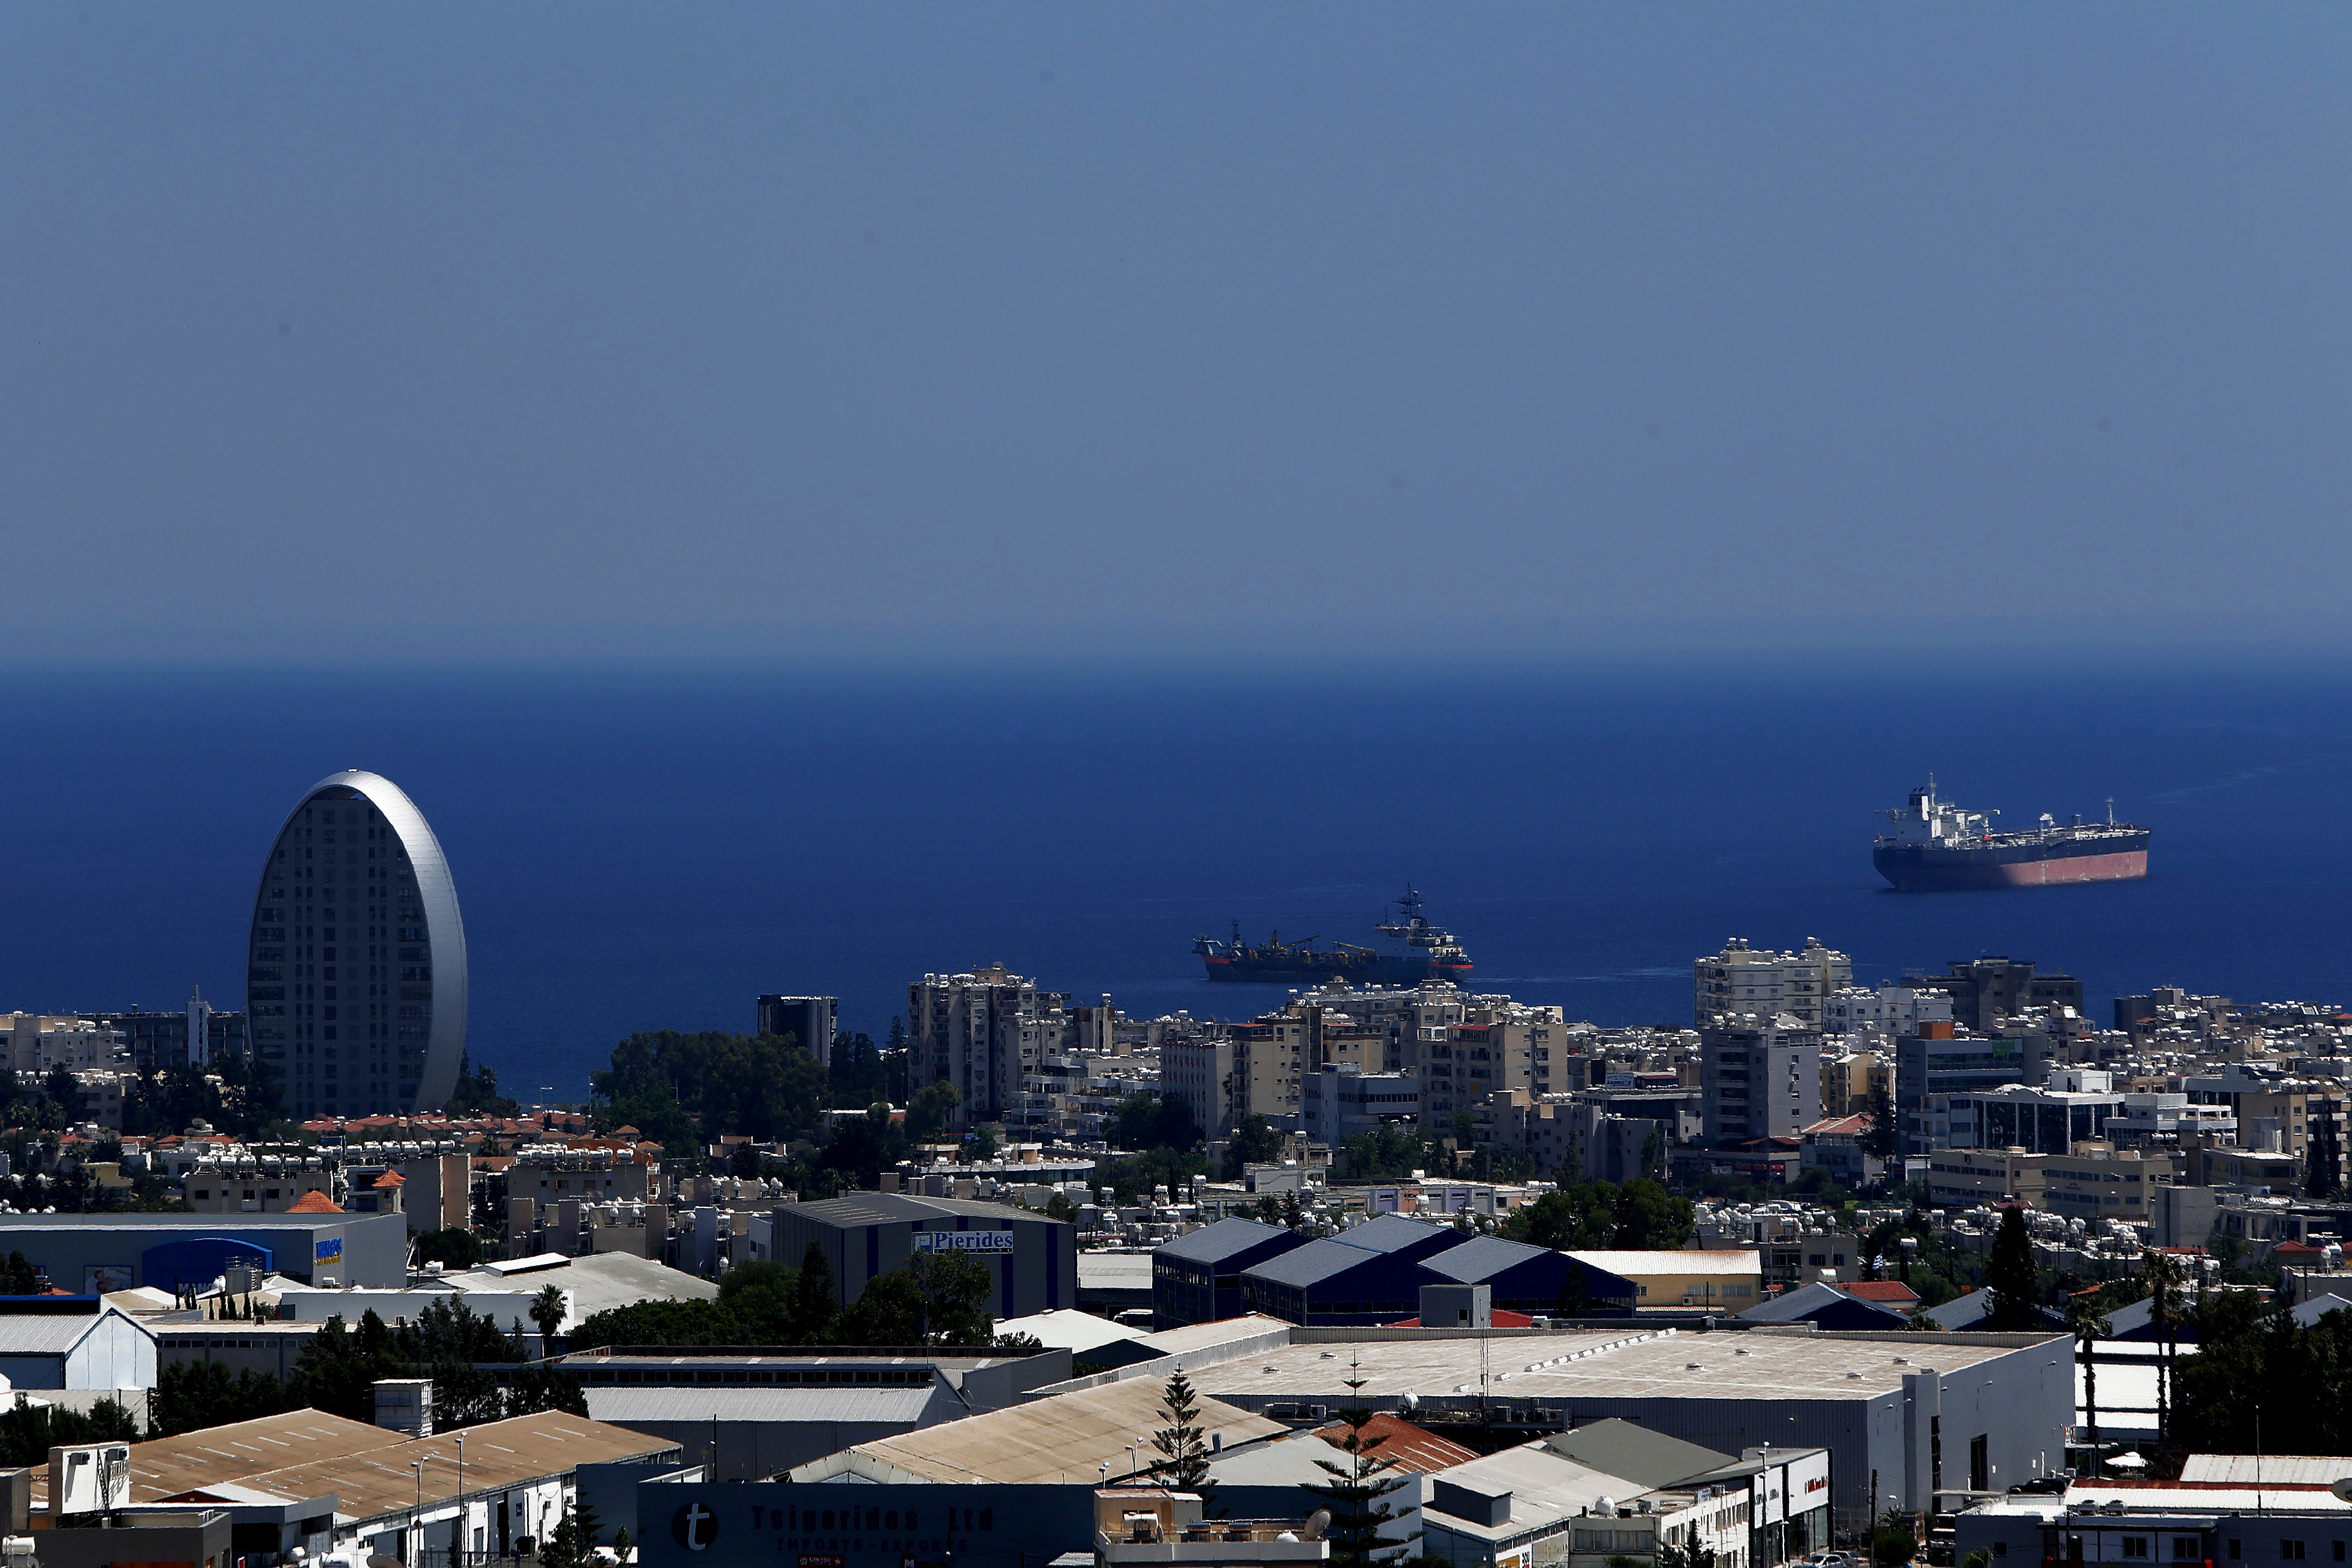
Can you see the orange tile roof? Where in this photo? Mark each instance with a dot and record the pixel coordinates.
(392, 1178)
(314, 1203)
(1893, 1291)
(1416, 1451)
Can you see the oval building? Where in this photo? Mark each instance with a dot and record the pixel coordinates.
(355, 981)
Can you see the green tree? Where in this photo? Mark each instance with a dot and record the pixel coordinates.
(1253, 1142)
(27, 1431)
(2011, 1276)
(659, 1323)
(452, 1248)
(1892, 1544)
(193, 1396)
(1357, 1494)
(476, 1093)
(929, 1112)
(1883, 1138)
(816, 1300)
(547, 1312)
(61, 1089)
(1183, 1448)
(572, 1542)
(2089, 1326)
(17, 1278)
(857, 1074)
(1690, 1554)
(888, 1311)
(1640, 1214)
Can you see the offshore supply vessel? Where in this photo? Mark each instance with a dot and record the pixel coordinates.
(1431, 955)
(1936, 847)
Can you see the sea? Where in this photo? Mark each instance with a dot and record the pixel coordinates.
(653, 847)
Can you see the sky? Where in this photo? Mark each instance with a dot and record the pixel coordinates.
(871, 331)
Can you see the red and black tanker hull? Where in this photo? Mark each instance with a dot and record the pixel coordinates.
(1932, 868)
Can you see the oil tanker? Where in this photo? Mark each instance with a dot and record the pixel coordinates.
(1936, 847)
(1431, 955)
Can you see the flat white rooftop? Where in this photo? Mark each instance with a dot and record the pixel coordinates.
(1635, 1363)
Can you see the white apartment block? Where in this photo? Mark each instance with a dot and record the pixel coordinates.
(1742, 979)
(1882, 1013)
(981, 1032)
(38, 1042)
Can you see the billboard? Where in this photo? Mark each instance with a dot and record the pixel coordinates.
(963, 1241)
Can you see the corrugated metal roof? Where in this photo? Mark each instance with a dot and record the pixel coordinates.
(1680, 1261)
(1628, 1448)
(1067, 1330)
(2275, 1469)
(884, 1208)
(165, 1467)
(1214, 1243)
(47, 1334)
(624, 1406)
(1064, 1437)
(1394, 1233)
(1318, 1260)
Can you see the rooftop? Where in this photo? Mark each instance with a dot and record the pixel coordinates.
(1063, 1437)
(1604, 1363)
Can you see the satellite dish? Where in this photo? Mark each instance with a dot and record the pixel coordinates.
(2343, 1489)
(1317, 1522)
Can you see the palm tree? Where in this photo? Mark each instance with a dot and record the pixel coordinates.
(546, 1310)
(2089, 1326)
(2164, 1277)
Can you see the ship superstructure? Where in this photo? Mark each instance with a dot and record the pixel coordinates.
(1936, 847)
(1431, 954)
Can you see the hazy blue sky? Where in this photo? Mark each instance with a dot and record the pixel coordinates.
(1284, 326)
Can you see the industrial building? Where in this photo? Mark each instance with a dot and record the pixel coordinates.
(744, 1415)
(94, 1253)
(73, 1342)
(1197, 1277)
(1032, 1260)
(1373, 1273)
(310, 1479)
(1904, 1415)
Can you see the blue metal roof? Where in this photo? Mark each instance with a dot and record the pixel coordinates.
(1226, 1239)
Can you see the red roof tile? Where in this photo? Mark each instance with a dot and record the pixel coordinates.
(1893, 1291)
(1416, 1451)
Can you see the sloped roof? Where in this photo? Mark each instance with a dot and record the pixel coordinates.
(1223, 1239)
(1064, 1437)
(1629, 1450)
(216, 1455)
(1394, 1233)
(1893, 1291)
(314, 1203)
(1402, 1445)
(1679, 1260)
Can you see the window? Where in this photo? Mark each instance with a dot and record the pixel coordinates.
(2237, 1549)
(2000, 1548)
(2134, 1545)
(2184, 1548)
(2290, 1551)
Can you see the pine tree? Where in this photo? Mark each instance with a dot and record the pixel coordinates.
(1183, 1450)
(1355, 1494)
(2010, 1276)
(572, 1542)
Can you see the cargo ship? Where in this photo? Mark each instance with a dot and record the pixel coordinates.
(1431, 955)
(1936, 847)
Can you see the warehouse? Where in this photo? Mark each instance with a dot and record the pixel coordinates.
(1197, 1277)
(1535, 1280)
(1902, 1415)
(93, 1252)
(73, 1342)
(1366, 1275)
(1032, 1261)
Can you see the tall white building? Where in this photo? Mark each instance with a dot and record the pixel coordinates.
(981, 1032)
(1742, 979)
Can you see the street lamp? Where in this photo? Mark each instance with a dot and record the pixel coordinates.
(460, 1544)
(416, 1519)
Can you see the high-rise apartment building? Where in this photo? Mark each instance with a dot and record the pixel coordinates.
(196, 1033)
(1984, 991)
(355, 992)
(1758, 1078)
(981, 1032)
(810, 1020)
(1743, 979)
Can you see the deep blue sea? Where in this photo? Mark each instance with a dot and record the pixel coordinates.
(648, 849)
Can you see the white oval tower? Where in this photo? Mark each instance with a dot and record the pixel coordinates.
(356, 984)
